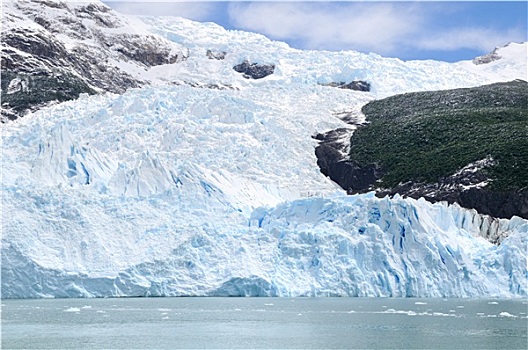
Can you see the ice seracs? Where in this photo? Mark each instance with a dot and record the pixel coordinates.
(216, 192)
(180, 189)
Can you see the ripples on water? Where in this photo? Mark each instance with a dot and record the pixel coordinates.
(303, 323)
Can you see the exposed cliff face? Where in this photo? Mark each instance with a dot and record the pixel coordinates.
(333, 161)
(487, 58)
(55, 50)
(461, 146)
(498, 204)
(254, 70)
(357, 85)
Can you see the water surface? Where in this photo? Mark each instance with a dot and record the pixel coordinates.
(301, 323)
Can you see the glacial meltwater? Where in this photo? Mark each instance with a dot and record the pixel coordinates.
(249, 323)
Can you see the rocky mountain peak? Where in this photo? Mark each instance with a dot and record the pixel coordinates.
(86, 42)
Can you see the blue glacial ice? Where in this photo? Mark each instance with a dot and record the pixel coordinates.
(174, 190)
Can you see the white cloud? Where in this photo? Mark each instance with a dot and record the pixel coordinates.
(484, 39)
(388, 28)
(373, 26)
(198, 11)
(384, 28)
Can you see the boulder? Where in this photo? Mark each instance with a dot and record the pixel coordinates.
(216, 55)
(254, 70)
(356, 85)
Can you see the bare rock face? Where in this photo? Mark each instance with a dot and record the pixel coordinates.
(216, 55)
(333, 162)
(46, 44)
(147, 50)
(254, 70)
(356, 85)
(498, 204)
(490, 57)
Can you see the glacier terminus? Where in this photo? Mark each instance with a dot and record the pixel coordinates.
(201, 181)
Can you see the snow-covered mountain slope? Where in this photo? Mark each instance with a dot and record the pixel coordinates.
(55, 50)
(46, 34)
(387, 76)
(502, 64)
(206, 183)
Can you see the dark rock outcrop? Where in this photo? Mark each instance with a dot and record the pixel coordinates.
(40, 44)
(496, 204)
(487, 58)
(146, 50)
(216, 55)
(356, 85)
(254, 70)
(332, 161)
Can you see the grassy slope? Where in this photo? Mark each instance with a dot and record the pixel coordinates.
(425, 136)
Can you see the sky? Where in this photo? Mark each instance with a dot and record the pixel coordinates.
(440, 30)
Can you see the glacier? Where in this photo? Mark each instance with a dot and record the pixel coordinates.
(205, 184)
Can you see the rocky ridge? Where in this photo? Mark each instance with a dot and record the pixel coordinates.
(56, 50)
(254, 70)
(357, 85)
(487, 58)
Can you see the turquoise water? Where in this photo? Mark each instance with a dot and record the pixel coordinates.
(300, 323)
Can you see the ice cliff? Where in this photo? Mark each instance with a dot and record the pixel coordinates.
(206, 183)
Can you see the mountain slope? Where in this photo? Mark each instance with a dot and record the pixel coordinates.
(84, 45)
(504, 63)
(464, 145)
(206, 182)
(90, 48)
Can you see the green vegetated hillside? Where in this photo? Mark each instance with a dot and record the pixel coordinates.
(21, 92)
(424, 137)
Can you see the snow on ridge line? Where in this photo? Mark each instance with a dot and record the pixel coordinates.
(342, 246)
(510, 63)
(387, 76)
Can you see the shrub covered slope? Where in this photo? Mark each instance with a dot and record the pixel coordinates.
(430, 137)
